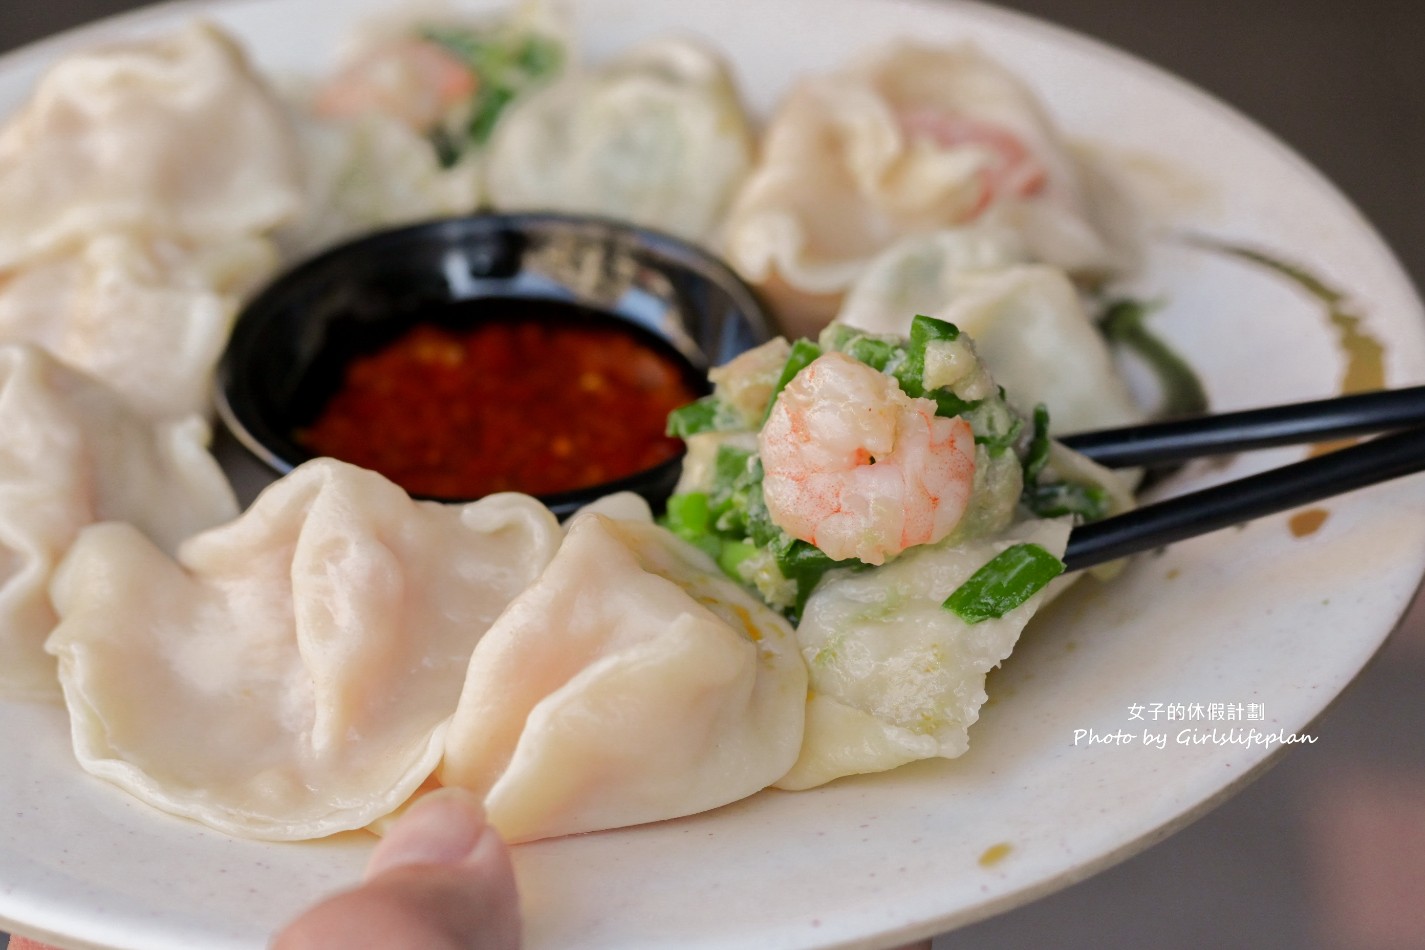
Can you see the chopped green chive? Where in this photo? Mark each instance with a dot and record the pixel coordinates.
(729, 464)
(1038, 455)
(923, 330)
(1056, 499)
(806, 564)
(802, 354)
(881, 353)
(687, 515)
(1124, 323)
(701, 415)
(1009, 579)
(876, 354)
(948, 405)
(732, 555)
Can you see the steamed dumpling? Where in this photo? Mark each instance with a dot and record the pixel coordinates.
(292, 673)
(174, 136)
(138, 184)
(1027, 320)
(373, 172)
(895, 677)
(912, 139)
(397, 133)
(149, 317)
(632, 682)
(72, 454)
(920, 271)
(656, 137)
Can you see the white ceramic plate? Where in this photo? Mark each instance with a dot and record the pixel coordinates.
(1261, 617)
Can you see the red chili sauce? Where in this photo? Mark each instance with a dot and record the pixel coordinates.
(537, 396)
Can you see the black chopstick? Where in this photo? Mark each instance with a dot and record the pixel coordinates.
(1200, 512)
(1322, 420)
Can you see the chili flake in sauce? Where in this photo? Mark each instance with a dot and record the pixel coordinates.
(541, 397)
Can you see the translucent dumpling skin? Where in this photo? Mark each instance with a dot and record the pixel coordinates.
(656, 137)
(911, 139)
(397, 133)
(631, 683)
(173, 136)
(1027, 320)
(895, 677)
(149, 317)
(291, 674)
(74, 453)
(371, 173)
(139, 185)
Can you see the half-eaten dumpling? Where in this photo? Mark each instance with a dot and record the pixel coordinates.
(895, 676)
(631, 683)
(292, 673)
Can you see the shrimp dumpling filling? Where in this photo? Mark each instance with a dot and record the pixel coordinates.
(399, 132)
(1027, 320)
(858, 468)
(911, 139)
(896, 505)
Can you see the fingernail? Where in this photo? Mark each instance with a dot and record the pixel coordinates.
(443, 827)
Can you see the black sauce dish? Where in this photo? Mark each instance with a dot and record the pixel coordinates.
(290, 343)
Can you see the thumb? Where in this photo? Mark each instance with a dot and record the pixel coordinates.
(444, 827)
(441, 878)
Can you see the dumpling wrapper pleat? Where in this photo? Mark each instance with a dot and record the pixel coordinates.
(291, 674)
(139, 183)
(174, 136)
(631, 683)
(148, 317)
(74, 453)
(657, 137)
(911, 139)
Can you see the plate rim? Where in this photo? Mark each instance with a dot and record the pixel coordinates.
(168, 11)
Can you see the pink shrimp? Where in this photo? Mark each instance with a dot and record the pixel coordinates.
(414, 81)
(1011, 170)
(858, 468)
